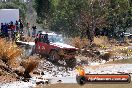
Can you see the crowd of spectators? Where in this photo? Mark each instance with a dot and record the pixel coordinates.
(15, 30)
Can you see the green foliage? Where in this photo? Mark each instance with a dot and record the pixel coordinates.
(119, 15)
(42, 8)
(64, 14)
(71, 17)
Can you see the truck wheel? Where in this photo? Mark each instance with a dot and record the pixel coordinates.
(35, 50)
(54, 56)
(71, 62)
(81, 80)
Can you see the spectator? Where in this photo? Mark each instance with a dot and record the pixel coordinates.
(2, 28)
(12, 27)
(28, 29)
(21, 26)
(17, 26)
(34, 31)
(5, 30)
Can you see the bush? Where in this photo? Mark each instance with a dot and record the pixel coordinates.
(98, 41)
(8, 50)
(30, 64)
(101, 41)
(78, 43)
(106, 56)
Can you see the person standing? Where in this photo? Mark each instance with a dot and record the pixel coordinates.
(34, 31)
(12, 27)
(5, 30)
(21, 27)
(17, 26)
(28, 29)
(2, 26)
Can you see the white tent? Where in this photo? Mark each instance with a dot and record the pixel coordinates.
(8, 15)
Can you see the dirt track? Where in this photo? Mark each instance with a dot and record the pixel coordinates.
(87, 86)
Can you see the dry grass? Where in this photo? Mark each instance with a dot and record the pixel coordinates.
(128, 40)
(9, 49)
(9, 52)
(101, 42)
(112, 47)
(126, 52)
(31, 63)
(121, 50)
(78, 43)
(10, 60)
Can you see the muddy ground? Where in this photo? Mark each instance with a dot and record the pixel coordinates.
(59, 76)
(87, 86)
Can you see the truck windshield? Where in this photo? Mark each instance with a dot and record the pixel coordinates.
(55, 38)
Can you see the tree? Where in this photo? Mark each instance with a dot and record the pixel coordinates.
(119, 15)
(42, 8)
(64, 15)
(74, 17)
(91, 18)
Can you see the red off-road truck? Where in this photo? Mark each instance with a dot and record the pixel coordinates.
(52, 45)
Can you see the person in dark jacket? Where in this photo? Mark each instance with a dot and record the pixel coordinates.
(17, 26)
(34, 31)
(2, 28)
(5, 30)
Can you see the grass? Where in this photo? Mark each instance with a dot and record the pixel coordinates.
(123, 61)
(78, 43)
(9, 53)
(101, 41)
